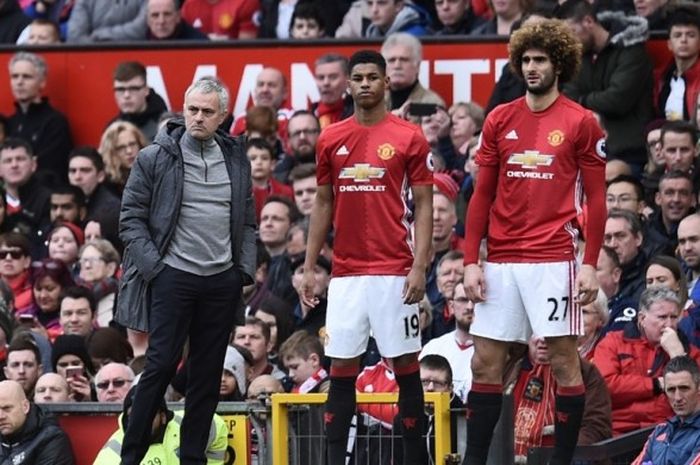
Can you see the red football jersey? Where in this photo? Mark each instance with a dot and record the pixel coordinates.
(370, 169)
(540, 158)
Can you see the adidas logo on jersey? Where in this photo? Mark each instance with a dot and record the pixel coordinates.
(512, 135)
(343, 150)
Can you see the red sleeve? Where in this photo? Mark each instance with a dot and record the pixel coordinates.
(478, 212)
(324, 171)
(245, 15)
(420, 163)
(239, 126)
(591, 161)
(487, 151)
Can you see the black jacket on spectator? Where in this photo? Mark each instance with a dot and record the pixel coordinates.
(12, 21)
(147, 121)
(47, 130)
(622, 310)
(617, 84)
(103, 206)
(469, 22)
(632, 282)
(33, 220)
(509, 87)
(40, 441)
(657, 239)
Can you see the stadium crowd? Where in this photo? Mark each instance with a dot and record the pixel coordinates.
(60, 250)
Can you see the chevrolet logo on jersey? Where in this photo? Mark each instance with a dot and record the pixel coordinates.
(362, 172)
(531, 159)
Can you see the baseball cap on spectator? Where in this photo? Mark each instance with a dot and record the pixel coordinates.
(71, 344)
(446, 185)
(73, 228)
(234, 363)
(322, 261)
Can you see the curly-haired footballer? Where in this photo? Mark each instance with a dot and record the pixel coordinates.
(538, 156)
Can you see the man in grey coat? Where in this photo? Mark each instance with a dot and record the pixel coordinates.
(188, 224)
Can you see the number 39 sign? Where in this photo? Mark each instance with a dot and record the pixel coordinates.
(238, 450)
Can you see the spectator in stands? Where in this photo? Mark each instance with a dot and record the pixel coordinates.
(40, 32)
(403, 54)
(615, 55)
(261, 123)
(674, 442)
(277, 216)
(56, 12)
(331, 75)
(164, 437)
(67, 205)
(302, 356)
(165, 22)
(655, 12)
(505, 16)
(390, 16)
(456, 17)
(113, 382)
(105, 20)
(107, 345)
(49, 278)
(623, 233)
(595, 318)
(234, 377)
(615, 168)
(27, 199)
(51, 388)
(656, 162)
(99, 262)
(677, 88)
(449, 272)
(312, 319)
(689, 247)
(632, 360)
(622, 309)
(262, 161)
(270, 91)
(674, 200)
(303, 128)
(436, 129)
(119, 146)
(532, 380)
(263, 386)
(466, 119)
(678, 145)
(35, 120)
(307, 22)
(625, 192)
(15, 260)
(457, 346)
(86, 170)
(77, 311)
(304, 186)
(23, 362)
(70, 360)
(223, 19)
(34, 435)
(665, 271)
(278, 315)
(138, 104)
(64, 242)
(254, 335)
(12, 21)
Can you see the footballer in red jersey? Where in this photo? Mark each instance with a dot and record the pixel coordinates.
(367, 164)
(539, 157)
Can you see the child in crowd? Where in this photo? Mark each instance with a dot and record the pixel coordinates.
(261, 156)
(302, 356)
(306, 22)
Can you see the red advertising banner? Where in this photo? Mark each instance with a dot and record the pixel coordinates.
(80, 80)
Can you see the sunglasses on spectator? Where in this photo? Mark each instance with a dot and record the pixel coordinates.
(12, 253)
(117, 383)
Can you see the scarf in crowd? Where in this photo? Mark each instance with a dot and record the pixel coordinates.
(534, 404)
(312, 382)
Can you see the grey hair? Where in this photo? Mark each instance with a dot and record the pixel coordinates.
(38, 62)
(209, 84)
(129, 372)
(654, 294)
(405, 39)
(334, 58)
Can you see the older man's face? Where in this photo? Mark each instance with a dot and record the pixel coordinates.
(163, 17)
(203, 114)
(113, 383)
(401, 66)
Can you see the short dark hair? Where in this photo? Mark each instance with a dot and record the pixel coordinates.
(294, 213)
(679, 127)
(684, 363)
(632, 219)
(333, 58)
(612, 255)
(576, 10)
(308, 10)
(79, 292)
(17, 143)
(301, 344)
(260, 144)
(89, 152)
(302, 171)
(676, 174)
(304, 113)
(75, 191)
(629, 179)
(437, 362)
(684, 15)
(362, 57)
(24, 341)
(127, 70)
(252, 321)
(15, 239)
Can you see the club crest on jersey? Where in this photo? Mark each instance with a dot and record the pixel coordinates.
(362, 172)
(531, 159)
(555, 138)
(601, 148)
(386, 151)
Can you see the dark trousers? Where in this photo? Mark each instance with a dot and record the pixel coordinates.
(182, 305)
